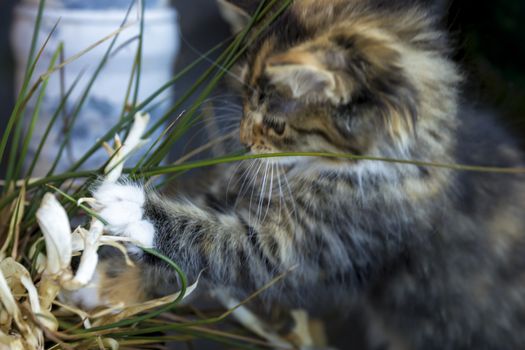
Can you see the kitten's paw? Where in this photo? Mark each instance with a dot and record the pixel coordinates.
(122, 206)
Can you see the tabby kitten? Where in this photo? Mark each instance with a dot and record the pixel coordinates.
(438, 256)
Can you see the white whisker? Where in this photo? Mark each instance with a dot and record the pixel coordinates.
(263, 193)
(233, 176)
(270, 190)
(253, 189)
(246, 175)
(281, 195)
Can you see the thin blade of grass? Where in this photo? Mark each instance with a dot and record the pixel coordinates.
(19, 117)
(34, 118)
(90, 211)
(231, 159)
(87, 90)
(139, 52)
(127, 120)
(232, 55)
(75, 57)
(27, 78)
(11, 239)
(51, 123)
(209, 321)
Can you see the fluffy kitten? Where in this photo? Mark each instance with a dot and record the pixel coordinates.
(437, 255)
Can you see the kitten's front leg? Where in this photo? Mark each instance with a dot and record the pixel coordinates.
(221, 243)
(230, 251)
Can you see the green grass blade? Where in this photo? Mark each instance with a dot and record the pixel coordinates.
(34, 118)
(230, 159)
(232, 54)
(18, 109)
(14, 159)
(87, 91)
(129, 118)
(139, 52)
(51, 123)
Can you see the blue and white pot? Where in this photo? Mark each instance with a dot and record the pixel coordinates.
(82, 23)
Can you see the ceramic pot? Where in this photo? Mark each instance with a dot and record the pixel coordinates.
(80, 26)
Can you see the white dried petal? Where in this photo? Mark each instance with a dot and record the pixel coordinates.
(133, 141)
(32, 293)
(54, 223)
(137, 130)
(5, 318)
(12, 272)
(77, 239)
(89, 260)
(32, 337)
(49, 320)
(86, 268)
(6, 297)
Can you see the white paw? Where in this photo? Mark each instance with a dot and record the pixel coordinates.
(121, 205)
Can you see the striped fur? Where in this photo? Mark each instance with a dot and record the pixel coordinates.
(438, 256)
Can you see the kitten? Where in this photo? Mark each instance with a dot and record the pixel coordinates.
(437, 255)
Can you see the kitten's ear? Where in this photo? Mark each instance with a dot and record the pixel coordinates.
(304, 76)
(237, 12)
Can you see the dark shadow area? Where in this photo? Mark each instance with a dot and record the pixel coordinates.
(490, 41)
(6, 67)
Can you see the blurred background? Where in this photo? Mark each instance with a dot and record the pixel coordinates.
(490, 46)
(173, 40)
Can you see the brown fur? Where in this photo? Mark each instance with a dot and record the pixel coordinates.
(435, 256)
(120, 284)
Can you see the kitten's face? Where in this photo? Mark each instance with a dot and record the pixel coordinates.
(337, 78)
(291, 106)
(276, 121)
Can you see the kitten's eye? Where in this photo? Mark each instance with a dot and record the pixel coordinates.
(277, 126)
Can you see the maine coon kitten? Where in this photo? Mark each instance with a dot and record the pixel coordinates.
(438, 255)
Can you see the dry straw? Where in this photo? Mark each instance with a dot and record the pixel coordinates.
(18, 293)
